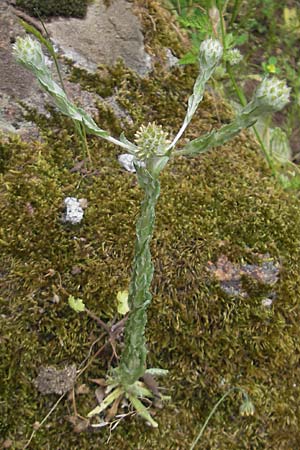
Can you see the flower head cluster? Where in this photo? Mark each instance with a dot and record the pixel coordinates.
(151, 141)
(233, 56)
(28, 52)
(273, 94)
(210, 53)
(247, 408)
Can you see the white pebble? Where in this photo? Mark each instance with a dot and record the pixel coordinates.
(267, 302)
(74, 212)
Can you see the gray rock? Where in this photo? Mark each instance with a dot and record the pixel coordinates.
(172, 60)
(51, 380)
(104, 36)
(16, 84)
(267, 302)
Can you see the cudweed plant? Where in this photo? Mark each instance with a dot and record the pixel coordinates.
(151, 150)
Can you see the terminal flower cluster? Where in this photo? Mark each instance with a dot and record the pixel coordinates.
(151, 141)
(233, 56)
(29, 54)
(210, 53)
(273, 93)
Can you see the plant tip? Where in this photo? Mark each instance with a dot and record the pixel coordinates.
(273, 93)
(151, 141)
(233, 56)
(211, 52)
(29, 53)
(247, 408)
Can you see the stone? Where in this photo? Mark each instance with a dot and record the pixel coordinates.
(55, 381)
(104, 36)
(74, 211)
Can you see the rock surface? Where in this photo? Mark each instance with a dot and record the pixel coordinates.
(104, 36)
(16, 84)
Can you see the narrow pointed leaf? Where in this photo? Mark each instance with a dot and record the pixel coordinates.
(142, 410)
(122, 298)
(157, 372)
(106, 402)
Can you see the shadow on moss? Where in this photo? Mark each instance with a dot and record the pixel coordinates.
(48, 8)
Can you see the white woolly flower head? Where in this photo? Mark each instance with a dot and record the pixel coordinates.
(151, 141)
(233, 56)
(29, 53)
(273, 93)
(211, 52)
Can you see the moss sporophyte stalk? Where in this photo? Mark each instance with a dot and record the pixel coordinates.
(151, 150)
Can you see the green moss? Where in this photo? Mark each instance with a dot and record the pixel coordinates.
(46, 8)
(4, 155)
(222, 203)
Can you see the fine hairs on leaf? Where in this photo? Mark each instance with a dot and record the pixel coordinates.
(151, 149)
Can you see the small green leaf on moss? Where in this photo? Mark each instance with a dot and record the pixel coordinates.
(76, 304)
(122, 298)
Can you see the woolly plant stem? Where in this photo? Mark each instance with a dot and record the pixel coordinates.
(133, 359)
(243, 102)
(193, 102)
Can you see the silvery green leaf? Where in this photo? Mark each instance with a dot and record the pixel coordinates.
(90, 124)
(155, 372)
(106, 402)
(156, 164)
(142, 410)
(210, 54)
(131, 147)
(279, 146)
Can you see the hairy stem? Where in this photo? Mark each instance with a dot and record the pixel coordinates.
(133, 359)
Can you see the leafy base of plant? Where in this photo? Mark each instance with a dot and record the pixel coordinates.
(136, 394)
